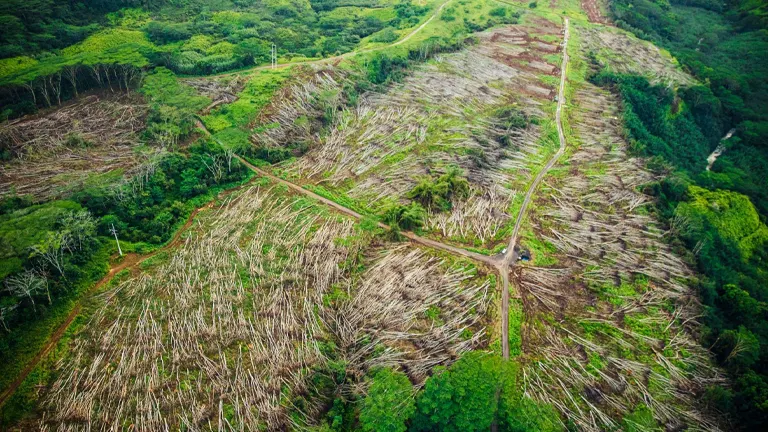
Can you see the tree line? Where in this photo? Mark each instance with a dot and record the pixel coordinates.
(718, 216)
(124, 39)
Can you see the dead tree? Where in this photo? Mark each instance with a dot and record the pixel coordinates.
(27, 284)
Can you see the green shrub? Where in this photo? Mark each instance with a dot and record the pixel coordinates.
(437, 193)
(498, 11)
(385, 36)
(407, 217)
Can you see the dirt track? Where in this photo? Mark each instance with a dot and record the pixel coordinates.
(511, 256)
(485, 259)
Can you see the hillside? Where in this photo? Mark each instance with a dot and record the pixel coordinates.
(380, 215)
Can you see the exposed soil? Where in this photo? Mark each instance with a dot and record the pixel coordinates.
(592, 8)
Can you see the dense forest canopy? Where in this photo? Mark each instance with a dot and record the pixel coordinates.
(720, 213)
(45, 44)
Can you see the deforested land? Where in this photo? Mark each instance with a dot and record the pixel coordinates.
(384, 215)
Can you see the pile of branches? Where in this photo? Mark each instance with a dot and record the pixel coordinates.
(625, 54)
(220, 90)
(56, 150)
(229, 320)
(482, 215)
(92, 120)
(361, 138)
(390, 309)
(441, 115)
(299, 112)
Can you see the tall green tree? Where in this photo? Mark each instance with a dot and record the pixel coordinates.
(389, 403)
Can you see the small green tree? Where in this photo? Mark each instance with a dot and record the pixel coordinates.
(458, 186)
(389, 402)
(430, 194)
(438, 193)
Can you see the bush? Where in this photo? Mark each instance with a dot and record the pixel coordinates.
(385, 36)
(383, 68)
(407, 217)
(438, 193)
(164, 32)
(498, 12)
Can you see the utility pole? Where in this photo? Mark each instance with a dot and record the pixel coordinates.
(273, 55)
(114, 232)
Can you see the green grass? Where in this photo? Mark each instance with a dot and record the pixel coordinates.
(341, 198)
(241, 114)
(542, 252)
(516, 317)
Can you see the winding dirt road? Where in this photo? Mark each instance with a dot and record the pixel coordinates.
(511, 256)
(485, 259)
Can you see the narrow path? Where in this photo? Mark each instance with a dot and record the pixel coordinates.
(511, 256)
(130, 260)
(330, 59)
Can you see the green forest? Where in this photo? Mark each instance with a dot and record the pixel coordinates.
(52, 51)
(719, 215)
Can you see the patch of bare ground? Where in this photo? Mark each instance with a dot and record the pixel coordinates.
(440, 115)
(613, 324)
(227, 332)
(58, 150)
(621, 52)
(594, 12)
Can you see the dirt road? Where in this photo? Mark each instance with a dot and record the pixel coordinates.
(511, 256)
